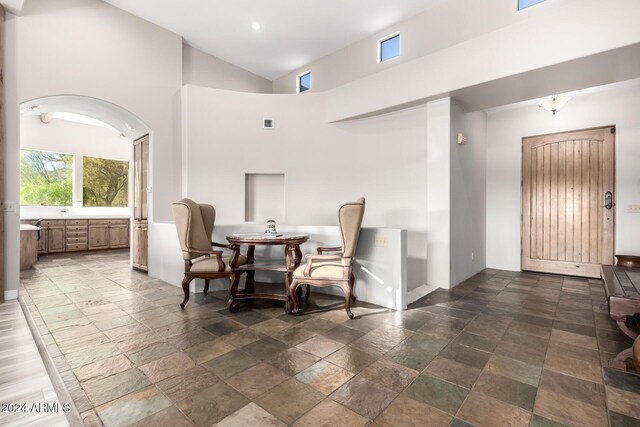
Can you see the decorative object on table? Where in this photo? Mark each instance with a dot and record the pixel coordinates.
(330, 270)
(194, 224)
(271, 228)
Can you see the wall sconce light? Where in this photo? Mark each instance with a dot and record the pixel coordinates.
(555, 103)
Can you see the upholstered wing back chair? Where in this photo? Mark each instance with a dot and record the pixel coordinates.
(194, 223)
(333, 269)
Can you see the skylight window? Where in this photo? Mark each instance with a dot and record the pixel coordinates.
(523, 4)
(304, 81)
(389, 47)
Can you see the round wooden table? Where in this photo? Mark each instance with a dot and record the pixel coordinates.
(292, 258)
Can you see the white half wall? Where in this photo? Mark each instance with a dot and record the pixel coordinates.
(505, 129)
(381, 158)
(380, 269)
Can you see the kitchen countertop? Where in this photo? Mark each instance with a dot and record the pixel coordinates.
(72, 216)
(27, 227)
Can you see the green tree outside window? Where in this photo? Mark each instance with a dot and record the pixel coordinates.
(46, 178)
(105, 182)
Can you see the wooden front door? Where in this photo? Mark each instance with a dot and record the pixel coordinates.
(568, 202)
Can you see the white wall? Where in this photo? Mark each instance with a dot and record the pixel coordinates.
(202, 69)
(325, 165)
(79, 139)
(505, 130)
(448, 23)
(468, 194)
(87, 47)
(560, 37)
(438, 191)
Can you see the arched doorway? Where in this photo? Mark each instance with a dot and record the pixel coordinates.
(123, 126)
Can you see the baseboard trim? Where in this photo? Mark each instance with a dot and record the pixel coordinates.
(419, 292)
(9, 295)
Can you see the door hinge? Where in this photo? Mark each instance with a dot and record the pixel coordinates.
(613, 130)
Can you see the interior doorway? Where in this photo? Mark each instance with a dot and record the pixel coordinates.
(568, 202)
(97, 180)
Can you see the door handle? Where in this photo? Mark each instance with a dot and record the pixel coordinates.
(608, 200)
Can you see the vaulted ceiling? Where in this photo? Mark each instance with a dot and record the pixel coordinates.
(292, 32)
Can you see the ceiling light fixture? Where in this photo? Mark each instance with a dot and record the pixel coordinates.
(256, 26)
(555, 103)
(131, 128)
(34, 107)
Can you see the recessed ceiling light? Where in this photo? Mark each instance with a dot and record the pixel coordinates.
(256, 26)
(34, 107)
(131, 128)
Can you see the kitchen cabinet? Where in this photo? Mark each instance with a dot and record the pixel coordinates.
(140, 239)
(77, 235)
(140, 201)
(73, 235)
(98, 235)
(119, 235)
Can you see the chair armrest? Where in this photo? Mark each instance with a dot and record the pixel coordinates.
(235, 254)
(329, 249)
(312, 258)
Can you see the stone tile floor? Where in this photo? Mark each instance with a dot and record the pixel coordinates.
(501, 349)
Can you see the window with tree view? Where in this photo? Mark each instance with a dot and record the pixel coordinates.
(46, 178)
(105, 182)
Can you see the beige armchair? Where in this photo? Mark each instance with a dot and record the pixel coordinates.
(335, 269)
(194, 223)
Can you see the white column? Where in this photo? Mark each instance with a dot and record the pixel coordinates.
(438, 193)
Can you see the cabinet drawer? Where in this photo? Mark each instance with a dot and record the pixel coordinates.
(83, 222)
(80, 239)
(119, 222)
(77, 247)
(53, 223)
(77, 230)
(75, 234)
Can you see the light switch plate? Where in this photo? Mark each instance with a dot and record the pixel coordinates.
(380, 241)
(10, 206)
(633, 209)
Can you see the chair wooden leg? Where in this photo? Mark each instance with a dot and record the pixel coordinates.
(636, 353)
(620, 361)
(293, 293)
(233, 303)
(185, 288)
(352, 282)
(206, 286)
(346, 287)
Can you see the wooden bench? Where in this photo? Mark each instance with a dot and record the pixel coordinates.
(622, 286)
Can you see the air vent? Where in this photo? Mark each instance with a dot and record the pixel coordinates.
(268, 124)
